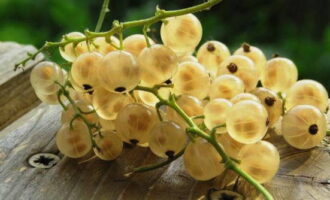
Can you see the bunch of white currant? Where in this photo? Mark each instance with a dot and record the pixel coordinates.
(213, 87)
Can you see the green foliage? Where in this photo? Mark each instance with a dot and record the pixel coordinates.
(300, 31)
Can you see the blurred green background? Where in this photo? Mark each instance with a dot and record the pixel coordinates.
(298, 29)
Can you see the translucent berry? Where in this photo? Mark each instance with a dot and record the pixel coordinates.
(157, 64)
(167, 139)
(119, 72)
(231, 146)
(110, 145)
(191, 105)
(215, 113)
(70, 51)
(43, 77)
(191, 79)
(134, 123)
(202, 161)
(261, 160)
(255, 54)
(242, 67)
(84, 70)
(103, 46)
(244, 96)
(188, 58)
(108, 104)
(272, 103)
(307, 92)
(247, 122)
(74, 142)
(181, 33)
(211, 54)
(135, 44)
(226, 86)
(279, 75)
(304, 126)
(68, 115)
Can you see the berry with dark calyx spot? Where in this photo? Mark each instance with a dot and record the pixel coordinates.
(211, 54)
(275, 55)
(167, 139)
(307, 92)
(88, 88)
(313, 129)
(255, 54)
(246, 47)
(232, 67)
(134, 141)
(120, 89)
(170, 154)
(279, 74)
(243, 67)
(119, 70)
(210, 47)
(134, 123)
(214, 194)
(270, 101)
(168, 82)
(304, 126)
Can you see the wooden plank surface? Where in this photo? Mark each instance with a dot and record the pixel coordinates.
(17, 95)
(303, 174)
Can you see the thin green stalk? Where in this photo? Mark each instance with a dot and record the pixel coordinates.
(145, 33)
(78, 114)
(103, 12)
(328, 132)
(59, 93)
(214, 129)
(119, 27)
(198, 117)
(86, 113)
(155, 166)
(158, 105)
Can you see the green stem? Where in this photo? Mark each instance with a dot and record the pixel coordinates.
(145, 33)
(157, 165)
(158, 105)
(78, 113)
(59, 93)
(328, 133)
(121, 39)
(86, 113)
(198, 117)
(103, 12)
(214, 129)
(119, 27)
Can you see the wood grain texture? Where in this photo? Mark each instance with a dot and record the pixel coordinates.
(303, 174)
(17, 95)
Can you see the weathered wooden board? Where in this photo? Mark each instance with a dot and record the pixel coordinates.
(303, 174)
(17, 96)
